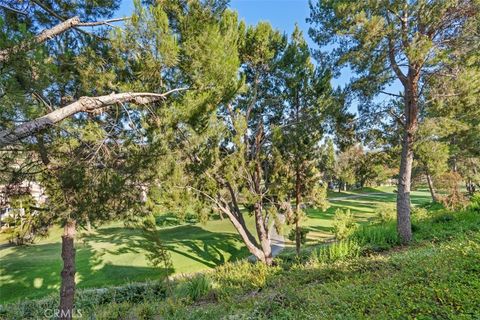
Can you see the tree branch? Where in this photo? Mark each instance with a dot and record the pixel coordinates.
(51, 33)
(84, 104)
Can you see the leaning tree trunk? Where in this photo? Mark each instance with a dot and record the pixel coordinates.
(263, 235)
(297, 212)
(67, 290)
(404, 226)
(431, 187)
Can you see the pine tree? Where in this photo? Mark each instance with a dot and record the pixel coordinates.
(307, 95)
(384, 41)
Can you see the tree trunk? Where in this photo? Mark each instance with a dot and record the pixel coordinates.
(404, 226)
(431, 187)
(297, 211)
(403, 193)
(67, 289)
(244, 234)
(263, 235)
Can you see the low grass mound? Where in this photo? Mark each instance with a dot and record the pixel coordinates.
(365, 276)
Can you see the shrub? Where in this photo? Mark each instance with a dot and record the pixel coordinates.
(450, 182)
(303, 235)
(376, 237)
(335, 251)
(242, 275)
(475, 202)
(419, 213)
(386, 212)
(343, 224)
(194, 288)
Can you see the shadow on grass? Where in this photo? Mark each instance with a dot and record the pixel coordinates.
(190, 241)
(33, 271)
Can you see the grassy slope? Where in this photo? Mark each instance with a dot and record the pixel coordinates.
(437, 278)
(114, 255)
(403, 285)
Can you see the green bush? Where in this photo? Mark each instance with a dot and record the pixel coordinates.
(419, 213)
(303, 235)
(443, 218)
(343, 224)
(335, 251)
(194, 288)
(242, 275)
(386, 212)
(376, 237)
(475, 202)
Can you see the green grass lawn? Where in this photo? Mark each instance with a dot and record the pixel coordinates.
(114, 255)
(361, 203)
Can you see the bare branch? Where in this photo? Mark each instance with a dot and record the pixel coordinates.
(391, 94)
(12, 9)
(84, 104)
(51, 33)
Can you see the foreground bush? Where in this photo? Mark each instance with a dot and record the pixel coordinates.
(475, 202)
(376, 237)
(335, 252)
(343, 224)
(386, 212)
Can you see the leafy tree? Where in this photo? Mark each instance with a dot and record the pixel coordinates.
(347, 165)
(221, 163)
(27, 221)
(95, 162)
(306, 94)
(385, 41)
(374, 168)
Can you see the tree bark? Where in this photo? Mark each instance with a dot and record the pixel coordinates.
(263, 235)
(47, 34)
(433, 193)
(242, 230)
(84, 104)
(403, 193)
(404, 226)
(297, 211)
(67, 289)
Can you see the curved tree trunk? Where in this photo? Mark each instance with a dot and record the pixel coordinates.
(263, 235)
(297, 212)
(237, 220)
(67, 290)
(433, 193)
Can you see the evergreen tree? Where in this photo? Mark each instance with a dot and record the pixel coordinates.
(307, 94)
(384, 41)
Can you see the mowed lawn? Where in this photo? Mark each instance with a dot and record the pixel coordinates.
(361, 203)
(114, 254)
